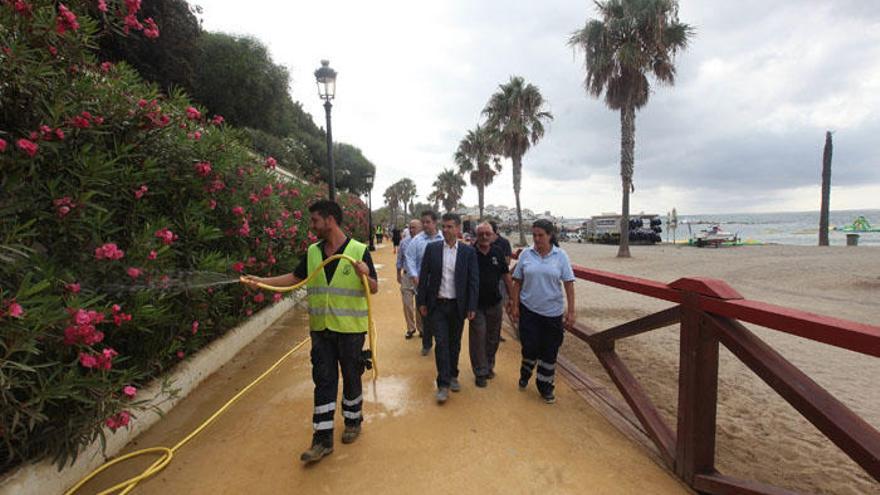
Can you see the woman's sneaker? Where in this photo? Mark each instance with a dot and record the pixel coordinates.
(549, 398)
(523, 383)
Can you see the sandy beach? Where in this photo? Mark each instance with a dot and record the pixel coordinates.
(760, 436)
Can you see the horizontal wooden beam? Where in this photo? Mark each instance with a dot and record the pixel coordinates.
(845, 334)
(643, 286)
(644, 324)
(858, 439)
(718, 484)
(641, 405)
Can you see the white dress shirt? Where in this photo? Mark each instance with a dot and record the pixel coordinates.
(447, 280)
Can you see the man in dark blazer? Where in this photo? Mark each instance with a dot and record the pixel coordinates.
(448, 289)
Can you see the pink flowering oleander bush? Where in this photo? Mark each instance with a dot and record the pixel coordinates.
(111, 197)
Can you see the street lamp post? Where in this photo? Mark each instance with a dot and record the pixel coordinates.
(369, 181)
(326, 78)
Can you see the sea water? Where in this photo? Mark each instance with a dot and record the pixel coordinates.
(796, 228)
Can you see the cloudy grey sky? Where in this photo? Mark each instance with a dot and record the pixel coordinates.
(741, 131)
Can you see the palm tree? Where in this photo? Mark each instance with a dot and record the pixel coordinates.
(475, 156)
(633, 38)
(449, 188)
(407, 191)
(434, 198)
(515, 119)
(392, 199)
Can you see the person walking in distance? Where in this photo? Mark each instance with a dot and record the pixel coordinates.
(407, 289)
(485, 329)
(338, 320)
(447, 294)
(536, 301)
(414, 254)
(395, 238)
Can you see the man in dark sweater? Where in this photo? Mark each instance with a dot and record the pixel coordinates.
(485, 328)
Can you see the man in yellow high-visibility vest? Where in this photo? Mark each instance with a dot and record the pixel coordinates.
(338, 321)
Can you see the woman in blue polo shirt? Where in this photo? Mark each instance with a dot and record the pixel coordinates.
(540, 274)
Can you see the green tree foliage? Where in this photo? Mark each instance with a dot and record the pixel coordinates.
(116, 202)
(351, 168)
(515, 118)
(168, 60)
(236, 78)
(631, 39)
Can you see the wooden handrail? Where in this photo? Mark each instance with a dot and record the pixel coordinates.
(845, 334)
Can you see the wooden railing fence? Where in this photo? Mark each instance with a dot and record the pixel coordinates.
(709, 312)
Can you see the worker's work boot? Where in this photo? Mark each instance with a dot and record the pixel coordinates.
(351, 433)
(315, 453)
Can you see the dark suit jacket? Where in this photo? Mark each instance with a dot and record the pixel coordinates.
(467, 277)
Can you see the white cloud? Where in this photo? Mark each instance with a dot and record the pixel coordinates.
(743, 127)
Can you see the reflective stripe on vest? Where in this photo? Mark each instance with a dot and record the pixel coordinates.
(339, 305)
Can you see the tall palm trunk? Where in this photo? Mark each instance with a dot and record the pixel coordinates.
(826, 190)
(627, 151)
(517, 180)
(480, 191)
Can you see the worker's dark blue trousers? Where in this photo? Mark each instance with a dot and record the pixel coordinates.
(332, 352)
(540, 337)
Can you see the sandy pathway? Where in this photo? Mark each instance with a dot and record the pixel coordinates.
(493, 440)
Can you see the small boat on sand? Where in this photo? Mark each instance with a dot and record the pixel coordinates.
(714, 236)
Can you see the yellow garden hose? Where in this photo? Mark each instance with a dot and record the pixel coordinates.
(168, 453)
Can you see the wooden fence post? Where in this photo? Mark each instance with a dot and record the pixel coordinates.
(697, 380)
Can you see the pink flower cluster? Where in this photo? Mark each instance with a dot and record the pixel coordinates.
(217, 120)
(195, 327)
(203, 169)
(118, 316)
(166, 236)
(13, 309)
(109, 251)
(72, 287)
(139, 192)
(47, 133)
(2, 145)
(28, 147)
(133, 272)
(118, 420)
(102, 361)
(129, 391)
(271, 163)
(151, 30)
(63, 206)
(23, 8)
(66, 20)
(83, 330)
(193, 114)
(85, 120)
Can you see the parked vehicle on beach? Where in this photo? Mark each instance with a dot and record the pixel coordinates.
(605, 229)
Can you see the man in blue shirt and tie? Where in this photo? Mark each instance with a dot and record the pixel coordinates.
(414, 254)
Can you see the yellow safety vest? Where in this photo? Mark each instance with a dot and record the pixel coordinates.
(341, 305)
